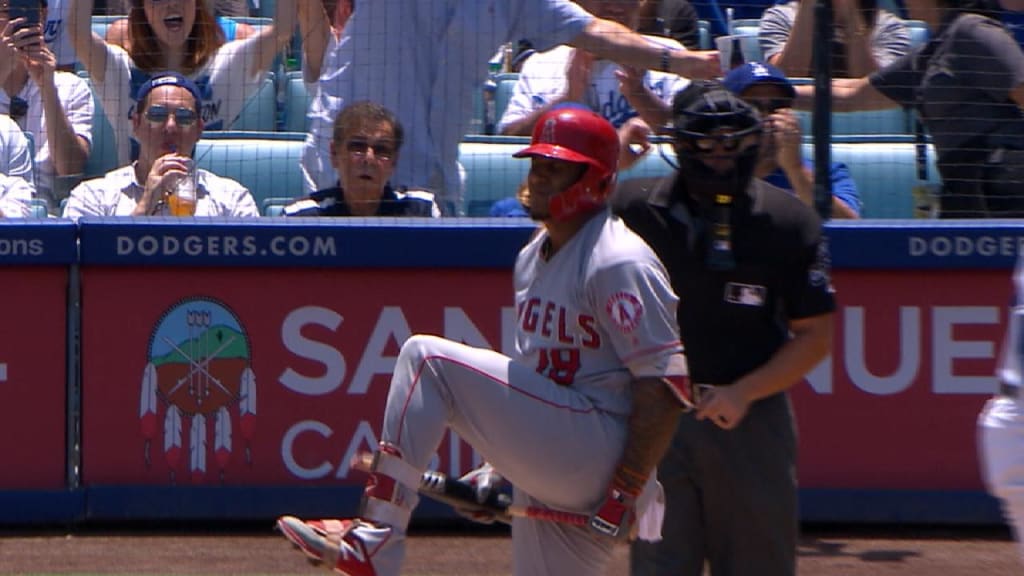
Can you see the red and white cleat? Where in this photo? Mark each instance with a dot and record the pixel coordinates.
(346, 546)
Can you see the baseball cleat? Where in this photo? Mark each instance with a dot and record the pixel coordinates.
(348, 546)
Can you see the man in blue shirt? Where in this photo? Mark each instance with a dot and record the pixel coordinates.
(781, 163)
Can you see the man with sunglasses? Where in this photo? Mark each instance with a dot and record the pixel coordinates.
(755, 313)
(364, 151)
(55, 107)
(782, 164)
(167, 126)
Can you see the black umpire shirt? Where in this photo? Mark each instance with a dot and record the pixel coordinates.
(733, 321)
(393, 202)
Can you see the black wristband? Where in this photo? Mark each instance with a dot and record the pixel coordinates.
(666, 60)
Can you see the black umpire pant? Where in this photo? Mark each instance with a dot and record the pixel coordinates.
(730, 498)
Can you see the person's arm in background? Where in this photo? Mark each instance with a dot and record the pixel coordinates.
(315, 29)
(857, 37)
(272, 39)
(648, 106)
(68, 150)
(787, 43)
(90, 48)
(847, 94)
(527, 103)
(613, 41)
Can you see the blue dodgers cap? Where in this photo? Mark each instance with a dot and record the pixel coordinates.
(168, 78)
(742, 77)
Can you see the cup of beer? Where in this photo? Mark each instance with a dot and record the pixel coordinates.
(182, 201)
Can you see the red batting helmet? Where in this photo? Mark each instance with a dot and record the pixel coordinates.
(578, 135)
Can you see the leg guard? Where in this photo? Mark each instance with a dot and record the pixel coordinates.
(392, 483)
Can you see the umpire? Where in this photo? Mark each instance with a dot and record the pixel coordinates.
(751, 269)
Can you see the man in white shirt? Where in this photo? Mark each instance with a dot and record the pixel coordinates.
(167, 125)
(567, 74)
(16, 175)
(55, 107)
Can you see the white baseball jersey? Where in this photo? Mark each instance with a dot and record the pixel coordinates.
(424, 61)
(598, 314)
(1001, 422)
(542, 81)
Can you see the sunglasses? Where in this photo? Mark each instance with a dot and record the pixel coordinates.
(359, 148)
(158, 114)
(18, 108)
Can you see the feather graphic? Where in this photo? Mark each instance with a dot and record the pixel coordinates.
(247, 403)
(197, 447)
(222, 437)
(147, 408)
(172, 436)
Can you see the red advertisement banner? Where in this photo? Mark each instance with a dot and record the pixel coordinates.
(33, 373)
(277, 377)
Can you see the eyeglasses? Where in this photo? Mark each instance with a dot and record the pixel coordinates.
(18, 108)
(728, 143)
(158, 114)
(359, 148)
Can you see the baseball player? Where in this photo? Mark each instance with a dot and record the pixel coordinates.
(576, 419)
(749, 263)
(1001, 422)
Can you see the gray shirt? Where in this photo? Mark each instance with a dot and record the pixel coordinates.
(890, 37)
(960, 84)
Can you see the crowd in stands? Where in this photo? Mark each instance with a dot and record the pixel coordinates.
(624, 59)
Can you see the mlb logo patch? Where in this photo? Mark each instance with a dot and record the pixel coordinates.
(745, 294)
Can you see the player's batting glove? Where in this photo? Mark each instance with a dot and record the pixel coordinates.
(615, 517)
(484, 480)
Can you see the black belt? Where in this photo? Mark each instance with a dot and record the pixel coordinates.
(1009, 390)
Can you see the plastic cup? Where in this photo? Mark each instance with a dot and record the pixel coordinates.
(182, 202)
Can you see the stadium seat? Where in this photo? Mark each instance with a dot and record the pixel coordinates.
(704, 35)
(296, 103)
(919, 32)
(260, 111)
(866, 122)
(101, 23)
(37, 208)
(267, 163)
(491, 171)
(746, 26)
(103, 153)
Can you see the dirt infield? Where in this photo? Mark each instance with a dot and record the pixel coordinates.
(831, 552)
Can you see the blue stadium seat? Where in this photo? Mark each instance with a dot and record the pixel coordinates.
(491, 171)
(919, 32)
(260, 111)
(101, 23)
(864, 122)
(704, 35)
(103, 153)
(267, 163)
(296, 103)
(37, 208)
(746, 26)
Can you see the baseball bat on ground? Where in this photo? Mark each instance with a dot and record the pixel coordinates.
(439, 486)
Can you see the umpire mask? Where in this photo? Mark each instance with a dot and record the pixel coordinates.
(717, 138)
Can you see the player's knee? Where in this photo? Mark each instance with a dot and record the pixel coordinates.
(419, 347)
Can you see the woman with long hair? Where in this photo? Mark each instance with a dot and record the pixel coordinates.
(181, 36)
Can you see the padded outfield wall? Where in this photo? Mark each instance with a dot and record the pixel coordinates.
(229, 370)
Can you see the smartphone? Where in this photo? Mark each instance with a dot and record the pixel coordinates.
(30, 10)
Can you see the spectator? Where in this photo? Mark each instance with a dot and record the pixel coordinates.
(967, 85)
(566, 74)
(675, 19)
(865, 38)
(55, 107)
(407, 58)
(320, 40)
(782, 164)
(16, 188)
(364, 151)
(117, 32)
(179, 36)
(167, 127)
